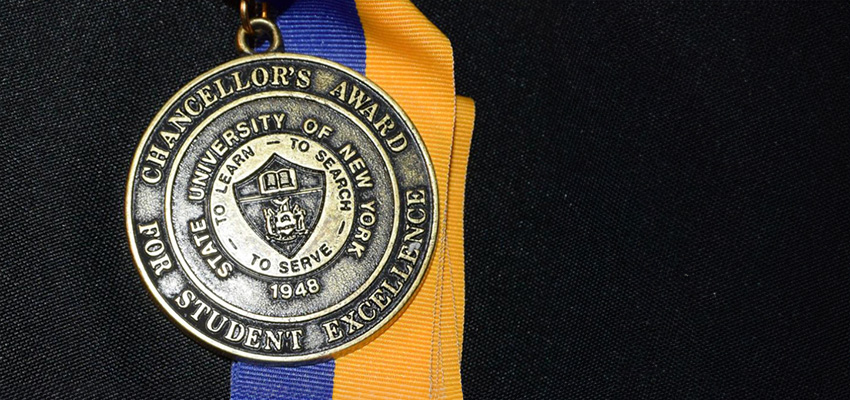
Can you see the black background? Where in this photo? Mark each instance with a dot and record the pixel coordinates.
(656, 200)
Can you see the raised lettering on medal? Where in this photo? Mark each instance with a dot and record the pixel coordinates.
(282, 208)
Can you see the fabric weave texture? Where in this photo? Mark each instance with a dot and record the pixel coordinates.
(656, 198)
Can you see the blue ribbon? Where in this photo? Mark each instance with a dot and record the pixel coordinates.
(328, 29)
(307, 382)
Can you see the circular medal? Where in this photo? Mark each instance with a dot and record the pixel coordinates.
(281, 208)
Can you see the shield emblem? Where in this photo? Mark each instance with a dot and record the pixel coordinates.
(282, 202)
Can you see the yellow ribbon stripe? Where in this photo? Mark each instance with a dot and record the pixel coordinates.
(418, 357)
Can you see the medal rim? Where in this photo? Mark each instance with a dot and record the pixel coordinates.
(232, 352)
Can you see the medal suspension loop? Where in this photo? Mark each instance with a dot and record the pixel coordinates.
(256, 28)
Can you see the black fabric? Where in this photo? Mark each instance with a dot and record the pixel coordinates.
(656, 201)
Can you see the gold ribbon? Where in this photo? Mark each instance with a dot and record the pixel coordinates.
(418, 356)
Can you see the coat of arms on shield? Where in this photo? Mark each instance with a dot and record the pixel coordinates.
(285, 223)
(282, 202)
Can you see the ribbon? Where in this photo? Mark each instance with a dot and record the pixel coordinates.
(395, 46)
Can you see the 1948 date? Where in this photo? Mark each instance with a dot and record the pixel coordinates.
(287, 290)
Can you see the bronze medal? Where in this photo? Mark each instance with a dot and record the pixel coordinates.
(281, 207)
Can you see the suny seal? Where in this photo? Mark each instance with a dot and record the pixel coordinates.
(281, 208)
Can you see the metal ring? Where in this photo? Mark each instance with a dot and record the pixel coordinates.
(245, 17)
(259, 25)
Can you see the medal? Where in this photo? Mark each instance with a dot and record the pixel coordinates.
(281, 207)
